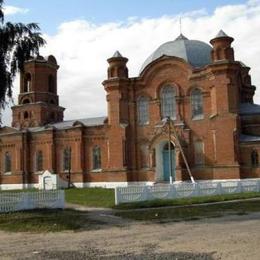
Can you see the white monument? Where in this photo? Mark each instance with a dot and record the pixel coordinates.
(48, 181)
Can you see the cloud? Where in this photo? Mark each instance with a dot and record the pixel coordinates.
(82, 47)
(12, 10)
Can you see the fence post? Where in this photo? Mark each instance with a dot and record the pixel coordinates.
(219, 189)
(240, 187)
(62, 193)
(173, 193)
(146, 193)
(116, 196)
(197, 189)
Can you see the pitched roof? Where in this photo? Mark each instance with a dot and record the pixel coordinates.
(221, 33)
(88, 122)
(117, 54)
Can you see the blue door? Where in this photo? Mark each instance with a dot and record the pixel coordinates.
(166, 164)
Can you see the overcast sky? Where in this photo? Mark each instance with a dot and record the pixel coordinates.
(82, 34)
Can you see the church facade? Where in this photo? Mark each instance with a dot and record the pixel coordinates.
(189, 114)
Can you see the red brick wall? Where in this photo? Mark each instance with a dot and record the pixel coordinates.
(121, 138)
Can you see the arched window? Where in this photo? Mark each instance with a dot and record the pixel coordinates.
(26, 115)
(27, 82)
(26, 101)
(51, 84)
(199, 152)
(39, 161)
(254, 158)
(143, 110)
(112, 72)
(218, 54)
(196, 104)
(168, 102)
(96, 158)
(8, 162)
(67, 159)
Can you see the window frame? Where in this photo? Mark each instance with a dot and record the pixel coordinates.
(199, 155)
(27, 84)
(7, 164)
(143, 113)
(254, 158)
(66, 165)
(168, 109)
(196, 100)
(37, 168)
(96, 165)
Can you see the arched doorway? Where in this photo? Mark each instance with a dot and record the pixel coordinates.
(164, 158)
(168, 162)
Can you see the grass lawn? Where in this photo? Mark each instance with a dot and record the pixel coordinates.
(45, 221)
(191, 212)
(187, 201)
(61, 220)
(91, 197)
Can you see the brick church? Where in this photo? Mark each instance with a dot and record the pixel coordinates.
(189, 113)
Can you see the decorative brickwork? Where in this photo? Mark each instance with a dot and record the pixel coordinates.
(207, 93)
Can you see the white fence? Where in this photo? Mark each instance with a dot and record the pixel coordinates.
(183, 190)
(17, 201)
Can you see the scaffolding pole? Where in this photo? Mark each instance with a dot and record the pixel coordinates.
(181, 150)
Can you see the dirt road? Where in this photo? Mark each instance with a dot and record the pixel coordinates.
(230, 237)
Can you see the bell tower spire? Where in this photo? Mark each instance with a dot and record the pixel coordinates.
(38, 102)
(180, 26)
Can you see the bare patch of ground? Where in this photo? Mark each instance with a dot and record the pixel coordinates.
(229, 237)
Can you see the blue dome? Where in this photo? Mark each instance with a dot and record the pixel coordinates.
(196, 53)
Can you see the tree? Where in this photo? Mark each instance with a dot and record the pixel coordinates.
(18, 43)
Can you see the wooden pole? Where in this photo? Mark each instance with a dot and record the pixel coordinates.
(169, 149)
(69, 179)
(183, 155)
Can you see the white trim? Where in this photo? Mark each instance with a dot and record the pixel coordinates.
(198, 118)
(7, 173)
(110, 185)
(96, 170)
(38, 172)
(218, 180)
(18, 186)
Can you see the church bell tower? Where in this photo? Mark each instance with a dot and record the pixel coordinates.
(38, 102)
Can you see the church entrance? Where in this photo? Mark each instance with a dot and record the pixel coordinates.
(164, 158)
(168, 156)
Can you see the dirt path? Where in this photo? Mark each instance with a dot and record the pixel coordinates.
(230, 237)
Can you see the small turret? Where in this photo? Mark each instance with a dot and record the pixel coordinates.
(117, 66)
(222, 49)
(38, 101)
